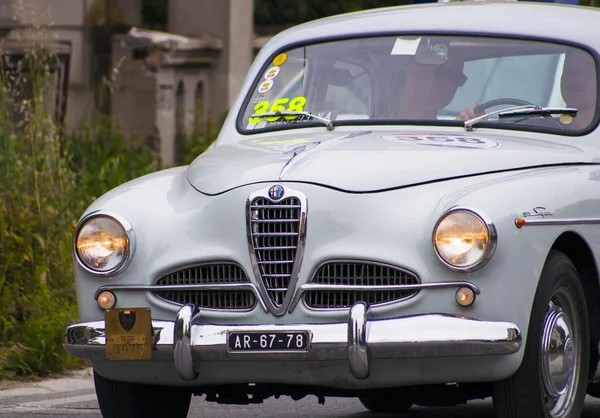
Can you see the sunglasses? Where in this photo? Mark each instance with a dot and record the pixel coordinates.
(445, 72)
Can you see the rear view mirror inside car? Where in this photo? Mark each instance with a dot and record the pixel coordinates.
(430, 53)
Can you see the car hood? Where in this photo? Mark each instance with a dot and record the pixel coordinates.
(364, 161)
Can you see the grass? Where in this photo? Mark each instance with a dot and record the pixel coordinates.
(47, 179)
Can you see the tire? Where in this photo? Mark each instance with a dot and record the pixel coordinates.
(386, 403)
(135, 400)
(559, 309)
(594, 390)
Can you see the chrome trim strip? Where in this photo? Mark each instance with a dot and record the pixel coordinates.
(436, 285)
(297, 295)
(358, 353)
(156, 288)
(182, 348)
(492, 234)
(130, 236)
(315, 286)
(559, 221)
(264, 193)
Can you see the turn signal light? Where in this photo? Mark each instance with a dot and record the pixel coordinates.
(107, 300)
(465, 297)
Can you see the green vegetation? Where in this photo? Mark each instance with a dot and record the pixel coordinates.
(277, 13)
(46, 182)
(155, 12)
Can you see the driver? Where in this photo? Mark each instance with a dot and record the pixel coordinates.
(430, 88)
(578, 87)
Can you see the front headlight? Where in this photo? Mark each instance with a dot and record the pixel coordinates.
(464, 239)
(103, 243)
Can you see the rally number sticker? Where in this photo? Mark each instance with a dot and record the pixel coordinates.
(284, 104)
(451, 141)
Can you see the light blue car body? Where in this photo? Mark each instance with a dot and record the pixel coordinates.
(370, 196)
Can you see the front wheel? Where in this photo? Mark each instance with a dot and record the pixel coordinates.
(552, 379)
(135, 400)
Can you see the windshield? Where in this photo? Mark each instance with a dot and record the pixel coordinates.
(423, 79)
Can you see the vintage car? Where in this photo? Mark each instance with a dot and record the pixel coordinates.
(402, 206)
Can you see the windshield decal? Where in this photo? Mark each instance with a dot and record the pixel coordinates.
(265, 87)
(258, 98)
(450, 141)
(405, 46)
(294, 105)
(566, 119)
(272, 73)
(280, 59)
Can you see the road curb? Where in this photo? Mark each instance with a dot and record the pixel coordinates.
(68, 382)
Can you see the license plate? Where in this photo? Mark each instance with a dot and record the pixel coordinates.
(240, 341)
(128, 334)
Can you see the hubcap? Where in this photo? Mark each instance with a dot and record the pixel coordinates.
(560, 354)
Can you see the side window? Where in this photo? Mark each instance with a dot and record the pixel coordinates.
(348, 90)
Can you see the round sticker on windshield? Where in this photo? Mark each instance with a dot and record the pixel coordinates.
(265, 86)
(271, 73)
(449, 141)
(566, 119)
(280, 59)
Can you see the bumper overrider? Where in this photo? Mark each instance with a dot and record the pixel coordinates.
(357, 341)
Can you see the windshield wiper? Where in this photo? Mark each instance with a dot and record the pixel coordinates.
(524, 110)
(469, 123)
(539, 111)
(326, 121)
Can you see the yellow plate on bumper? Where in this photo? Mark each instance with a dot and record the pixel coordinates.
(128, 334)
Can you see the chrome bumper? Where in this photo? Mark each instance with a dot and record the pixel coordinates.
(358, 340)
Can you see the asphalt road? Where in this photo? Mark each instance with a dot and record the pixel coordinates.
(75, 397)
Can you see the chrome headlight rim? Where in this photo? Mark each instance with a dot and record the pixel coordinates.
(128, 231)
(492, 235)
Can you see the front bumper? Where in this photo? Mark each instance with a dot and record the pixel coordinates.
(357, 341)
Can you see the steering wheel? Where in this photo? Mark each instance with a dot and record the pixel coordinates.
(497, 102)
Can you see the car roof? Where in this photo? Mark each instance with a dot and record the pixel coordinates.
(571, 23)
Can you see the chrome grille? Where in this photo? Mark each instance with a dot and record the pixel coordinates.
(209, 278)
(367, 277)
(274, 231)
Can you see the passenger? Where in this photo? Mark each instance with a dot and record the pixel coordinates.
(578, 87)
